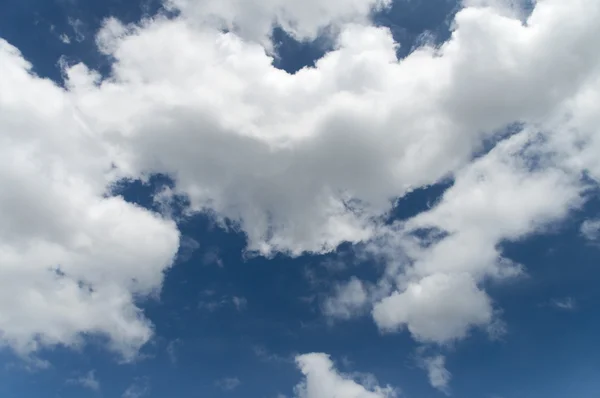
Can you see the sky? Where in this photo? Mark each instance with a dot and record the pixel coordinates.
(282, 199)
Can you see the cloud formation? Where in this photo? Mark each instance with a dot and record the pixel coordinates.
(439, 376)
(300, 162)
(322, 380)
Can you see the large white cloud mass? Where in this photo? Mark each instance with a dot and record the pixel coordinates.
(71, 259)
(302, 162)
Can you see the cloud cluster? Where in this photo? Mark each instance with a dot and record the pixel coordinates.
(301, 162)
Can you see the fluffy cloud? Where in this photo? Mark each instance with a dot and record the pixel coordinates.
(439, 308)
(302, 162)
(255, 20)
(306, 161)
(72, 259)
(324, 381)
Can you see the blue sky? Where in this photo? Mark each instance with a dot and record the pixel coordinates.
(383, 210)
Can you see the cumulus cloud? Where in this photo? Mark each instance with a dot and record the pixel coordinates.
(320, 154)
(256, 20)
(439, 308)
(299, 162)
(72, 258)
(322, 380)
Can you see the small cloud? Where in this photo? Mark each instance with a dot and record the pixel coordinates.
(228, 383)
(349, 300)
(88, 381)
(346, 362)
(264, 355)
(139, 388)
(187, 247)
(78, 28)
(565, 304)
(212, 257)
(239, 303)
(439, 376)
(65, 38)
(590, 229)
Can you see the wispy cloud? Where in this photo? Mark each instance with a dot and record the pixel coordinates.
(267, 356)
(88, 381)
(172, 348)
(439, 376)
(211, 305)
(565, 304)
(228, 383)
(139, 388)
(590, 229)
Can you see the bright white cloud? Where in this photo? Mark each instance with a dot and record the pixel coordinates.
(439, 308)
(72, 260)
(301, 161)
(322, 380)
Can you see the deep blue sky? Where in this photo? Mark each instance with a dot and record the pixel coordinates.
(547, 352)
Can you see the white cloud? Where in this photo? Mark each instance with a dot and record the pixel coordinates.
(65, 38)
(498, 197)
(88, 381)
(439, 376)
(255, 20)
(439, 308)
(565, 304)
(322, 380)
(72, 259)
(211, 305)
(301, 161)
(347, 301)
